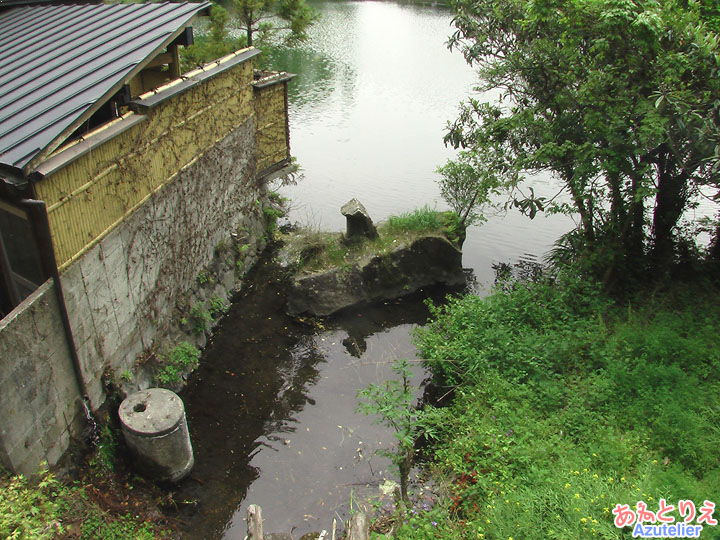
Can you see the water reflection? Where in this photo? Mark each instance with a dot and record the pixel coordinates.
(254, 377)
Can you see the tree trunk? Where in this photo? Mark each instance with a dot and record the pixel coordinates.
(669, 205)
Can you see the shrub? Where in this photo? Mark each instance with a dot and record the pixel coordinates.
(178, 360)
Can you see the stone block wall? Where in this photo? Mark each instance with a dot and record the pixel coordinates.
(40, 403)
(122, 298)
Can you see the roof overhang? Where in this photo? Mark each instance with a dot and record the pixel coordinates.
(60, 63)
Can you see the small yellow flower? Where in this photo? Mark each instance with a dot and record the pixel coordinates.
(595, 476)
(622, 479)
(583, 520)
(594, 454)
(507, 501)
(585, 470)
(592, 500)
(567, 485)
(611, 479)
(577, 495)
(577, 472)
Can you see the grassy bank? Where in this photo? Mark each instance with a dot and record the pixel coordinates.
(567, 404)
(316, 250)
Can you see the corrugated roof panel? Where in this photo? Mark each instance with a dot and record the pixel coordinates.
(60, 63)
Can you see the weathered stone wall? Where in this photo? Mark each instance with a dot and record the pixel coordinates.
(135, 222)
(40, 402)
(125, 291)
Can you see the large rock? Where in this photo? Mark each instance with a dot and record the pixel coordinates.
(359, 224)
(426, 261)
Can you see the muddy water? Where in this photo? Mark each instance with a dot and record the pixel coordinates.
(272, 413)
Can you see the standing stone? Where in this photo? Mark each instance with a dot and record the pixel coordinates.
(359, 223)
(155, 429)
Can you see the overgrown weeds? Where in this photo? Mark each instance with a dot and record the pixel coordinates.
(45, 508)
(178, 361)
(567, 404)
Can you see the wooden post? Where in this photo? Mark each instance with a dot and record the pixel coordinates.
(359, 527)
(254, 522)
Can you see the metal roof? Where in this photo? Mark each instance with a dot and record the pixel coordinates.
(60, 63)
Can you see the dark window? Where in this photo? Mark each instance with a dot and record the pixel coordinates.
(20, 267)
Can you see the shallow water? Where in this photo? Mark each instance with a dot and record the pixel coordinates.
(272, 412)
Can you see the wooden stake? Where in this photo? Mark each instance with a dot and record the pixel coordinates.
(254, 522)
(359, 527)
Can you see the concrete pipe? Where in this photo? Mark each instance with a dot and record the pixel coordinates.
(155, 429)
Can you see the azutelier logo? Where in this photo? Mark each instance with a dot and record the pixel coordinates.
(661, 523)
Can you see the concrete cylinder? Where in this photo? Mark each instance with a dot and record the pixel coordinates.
(155, 429)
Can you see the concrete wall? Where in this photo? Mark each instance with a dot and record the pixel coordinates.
(126, 290)
(39, 399)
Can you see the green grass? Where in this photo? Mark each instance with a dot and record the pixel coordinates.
(181, 358)
(46, 508)
(420, 220)
(567, 404)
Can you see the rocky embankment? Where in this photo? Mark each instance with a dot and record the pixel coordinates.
(333, 271)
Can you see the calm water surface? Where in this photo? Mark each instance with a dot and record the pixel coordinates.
(376, 87)
(272, 408)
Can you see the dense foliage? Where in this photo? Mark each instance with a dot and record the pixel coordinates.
(213, 44)
(266, 18)
(620, 99)
(565, 405)
(257, 20)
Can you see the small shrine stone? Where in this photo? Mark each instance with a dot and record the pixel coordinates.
(359, 223)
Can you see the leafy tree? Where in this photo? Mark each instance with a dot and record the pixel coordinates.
(215, 44)
(393, 402)
(268, 17)
(618, 98)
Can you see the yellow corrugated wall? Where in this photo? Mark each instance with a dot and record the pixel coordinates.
(272, 146)
(93, 194)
